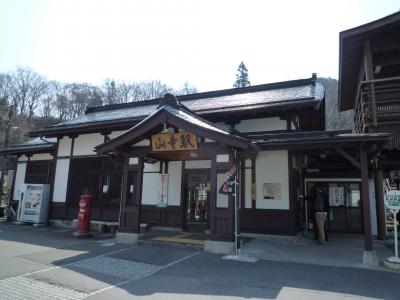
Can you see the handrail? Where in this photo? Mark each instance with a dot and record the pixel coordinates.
(365, 107)
(379, 80)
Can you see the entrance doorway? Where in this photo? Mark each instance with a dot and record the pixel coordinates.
(345, 213)
(196, 201)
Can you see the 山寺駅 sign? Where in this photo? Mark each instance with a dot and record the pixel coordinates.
(174, 141)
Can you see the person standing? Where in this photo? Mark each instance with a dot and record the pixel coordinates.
(321, 208)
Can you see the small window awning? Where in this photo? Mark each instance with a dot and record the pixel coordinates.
(177, 116)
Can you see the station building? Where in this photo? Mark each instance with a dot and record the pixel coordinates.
(163, 162)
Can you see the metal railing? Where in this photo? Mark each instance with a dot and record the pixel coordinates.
(377, 108)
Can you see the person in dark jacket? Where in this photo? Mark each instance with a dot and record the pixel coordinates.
(320, 210)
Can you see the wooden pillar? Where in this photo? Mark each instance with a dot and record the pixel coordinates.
(139, 188)
(131, 201)
(213, 196)
(365, 199)
(380, 205)
(369, 75)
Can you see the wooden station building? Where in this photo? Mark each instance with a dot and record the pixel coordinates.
(163, 161)
(369, 83)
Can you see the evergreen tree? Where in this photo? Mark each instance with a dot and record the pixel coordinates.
(242, 77)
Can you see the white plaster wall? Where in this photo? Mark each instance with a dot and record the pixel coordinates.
(152, 167)
(64, 146)
(145, 142)
(222, 200)
(174, 183)
(272, 167)
(223, 125)
(23, 158)
(19, 181)
(60, 181)
(115, 134)
(263, 124)
(84, 144)
(151, 188)
(197, 164)
(247, 188)
(42, 156)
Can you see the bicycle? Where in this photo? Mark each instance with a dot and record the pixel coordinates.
(11, 210)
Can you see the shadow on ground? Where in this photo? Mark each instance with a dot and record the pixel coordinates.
(93, 266)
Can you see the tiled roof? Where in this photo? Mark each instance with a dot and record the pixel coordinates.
(172, 114)
(33, 145)
(294, 93)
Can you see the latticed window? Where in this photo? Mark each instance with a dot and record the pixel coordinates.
(98, 176)
(39, 172)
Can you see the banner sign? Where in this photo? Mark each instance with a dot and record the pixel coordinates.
(173, 141)
(228, 187)
(163, 200)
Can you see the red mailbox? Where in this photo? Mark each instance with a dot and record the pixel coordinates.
(85, 211)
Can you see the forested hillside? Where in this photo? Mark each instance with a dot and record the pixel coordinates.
(32, 101)
(335, 120)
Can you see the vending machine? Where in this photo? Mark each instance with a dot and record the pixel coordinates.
(34, 204)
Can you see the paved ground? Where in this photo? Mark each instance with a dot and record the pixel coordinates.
(48, 263)
(341, 250)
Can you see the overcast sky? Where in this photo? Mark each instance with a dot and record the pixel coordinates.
(201, 42)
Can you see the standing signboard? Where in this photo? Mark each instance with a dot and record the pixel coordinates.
(392, 201)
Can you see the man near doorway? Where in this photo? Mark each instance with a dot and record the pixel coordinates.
(320, 208)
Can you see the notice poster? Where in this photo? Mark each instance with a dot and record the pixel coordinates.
(272, 191)
(163, 200)
(336, 195)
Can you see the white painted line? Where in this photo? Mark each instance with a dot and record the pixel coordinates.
(107, 244)
(133, 279)
(62, 230)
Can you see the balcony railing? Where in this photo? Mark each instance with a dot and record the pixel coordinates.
(377, 108)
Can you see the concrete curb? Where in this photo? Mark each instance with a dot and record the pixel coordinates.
(219, 247)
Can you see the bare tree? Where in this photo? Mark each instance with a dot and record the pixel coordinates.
(110, 91)
(187, 89)
(28, 87)
(37, 89)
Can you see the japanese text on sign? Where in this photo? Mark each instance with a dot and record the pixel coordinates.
(174, 141)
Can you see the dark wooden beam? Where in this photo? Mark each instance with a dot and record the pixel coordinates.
(369, 74)
(379, 202)
(347, 156)
(365, 199)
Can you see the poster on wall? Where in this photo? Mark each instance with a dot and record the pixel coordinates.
(163, 200)
(336, 195)
(272, 191)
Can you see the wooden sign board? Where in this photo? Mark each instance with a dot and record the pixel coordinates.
(173, 141)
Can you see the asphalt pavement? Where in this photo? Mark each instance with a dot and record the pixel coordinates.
(49, 263)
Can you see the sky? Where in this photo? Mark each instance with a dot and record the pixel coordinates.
(200, 42)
